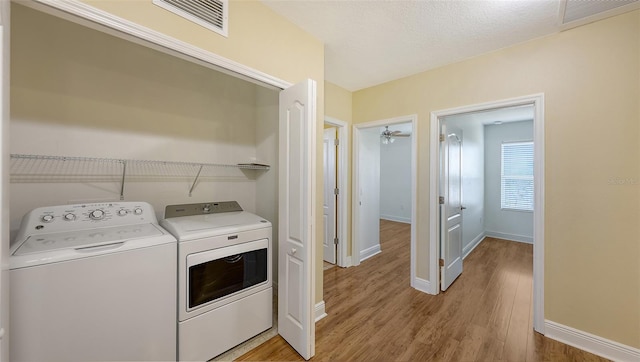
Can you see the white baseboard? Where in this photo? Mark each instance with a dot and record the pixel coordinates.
(422, 285)
(369, 252)
(512, 237)
(406, 220)
(320, 312)
(472, 245)
(347, 262)
(591, 343)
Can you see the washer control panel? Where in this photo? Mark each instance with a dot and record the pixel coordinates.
(84, 216)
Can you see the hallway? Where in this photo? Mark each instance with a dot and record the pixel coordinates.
(373, 313)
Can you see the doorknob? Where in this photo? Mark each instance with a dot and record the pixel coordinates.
(462, 208)
(293, 251)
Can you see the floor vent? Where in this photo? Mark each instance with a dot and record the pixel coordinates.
(212, 14)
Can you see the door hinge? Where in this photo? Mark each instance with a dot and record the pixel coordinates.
(441, 200)
(336, 142)
(336, 191)
(441, 262)
(441, 137)
(336, 240)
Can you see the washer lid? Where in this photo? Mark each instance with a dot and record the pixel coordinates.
(50, 248)
(200, 226)
(84, 239)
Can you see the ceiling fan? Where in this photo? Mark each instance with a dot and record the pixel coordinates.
(389, 136)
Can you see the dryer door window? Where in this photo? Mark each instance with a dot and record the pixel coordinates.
(226, 275)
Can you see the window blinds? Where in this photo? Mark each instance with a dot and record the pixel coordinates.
(517, 176)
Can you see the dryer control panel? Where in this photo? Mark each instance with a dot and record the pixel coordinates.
(214, 207)
(50, 219)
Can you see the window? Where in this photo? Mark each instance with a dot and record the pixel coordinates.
(517, 176)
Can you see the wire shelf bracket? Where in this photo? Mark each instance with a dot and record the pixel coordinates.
(124, 174)
(195, 180)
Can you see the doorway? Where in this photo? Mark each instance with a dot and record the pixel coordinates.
(336, 193)
(369, 138)
(486, 173)
(436, 228)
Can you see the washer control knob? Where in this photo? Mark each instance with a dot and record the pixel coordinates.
(69, 217)
(122, 212)
(206, 208)
(96, 214)
(47, 218)
(137, 211)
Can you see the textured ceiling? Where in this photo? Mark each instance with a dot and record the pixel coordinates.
(368, 42)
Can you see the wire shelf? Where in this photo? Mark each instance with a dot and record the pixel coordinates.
(46, 168)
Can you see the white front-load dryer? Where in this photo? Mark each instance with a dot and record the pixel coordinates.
(224, 276)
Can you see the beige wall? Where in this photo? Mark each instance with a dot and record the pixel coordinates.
(258, 38)
(338, 102)
(590, 77)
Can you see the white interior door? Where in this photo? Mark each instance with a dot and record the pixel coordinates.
(4, 178)
(296, 284)
(329, 203)
(368, 193)
(451, 209)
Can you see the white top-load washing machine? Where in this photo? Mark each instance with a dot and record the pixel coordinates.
(93, 282)
(224, 276)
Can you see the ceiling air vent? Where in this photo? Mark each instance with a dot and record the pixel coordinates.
(212, 14)
(579, 12)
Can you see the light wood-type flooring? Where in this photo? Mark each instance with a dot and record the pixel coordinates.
(374, 315)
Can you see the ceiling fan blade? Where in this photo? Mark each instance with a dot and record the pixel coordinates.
(393, 133)
(402, 135)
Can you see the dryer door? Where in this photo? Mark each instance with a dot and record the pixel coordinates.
(219, 274)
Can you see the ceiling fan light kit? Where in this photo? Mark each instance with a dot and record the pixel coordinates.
(390, 136)
(387, 139)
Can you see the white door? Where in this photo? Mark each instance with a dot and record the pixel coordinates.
(329, 203)
(451, 209)
(4, 178)
(368, 193)
(296, 285)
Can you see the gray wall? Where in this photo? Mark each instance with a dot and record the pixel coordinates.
(369, 192)
(395, 180)
(507, 224)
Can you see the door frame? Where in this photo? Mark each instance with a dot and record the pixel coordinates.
(342, 258)
(5, 29)
(357, 128)
(537, 100)
(330, 196)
